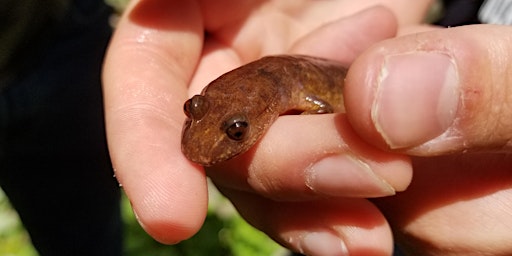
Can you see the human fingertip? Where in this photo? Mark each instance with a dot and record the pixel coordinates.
(345, 38)
(168, 211)
(435, 92)
(330, 176)
(167, 232)
(402, 100)
(416, 98)
(323, 243)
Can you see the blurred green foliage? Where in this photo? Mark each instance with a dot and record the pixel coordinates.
(14, 240)
(224, 233)
(118, 5)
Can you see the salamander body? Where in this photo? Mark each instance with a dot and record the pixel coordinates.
(235, 110)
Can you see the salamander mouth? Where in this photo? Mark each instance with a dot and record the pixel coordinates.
(205, 153)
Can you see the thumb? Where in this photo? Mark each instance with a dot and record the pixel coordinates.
(436, 92)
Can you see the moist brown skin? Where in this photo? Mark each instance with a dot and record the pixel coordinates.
(236, 109)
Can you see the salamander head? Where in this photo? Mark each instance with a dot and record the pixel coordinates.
(219, 128)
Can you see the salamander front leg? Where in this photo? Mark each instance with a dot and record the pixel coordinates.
(315, 105)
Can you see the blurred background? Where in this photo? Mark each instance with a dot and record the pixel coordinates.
(223, 233)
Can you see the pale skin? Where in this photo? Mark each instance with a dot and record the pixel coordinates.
(159, 58)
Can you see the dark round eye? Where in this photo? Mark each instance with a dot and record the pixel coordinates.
(196, 107)
(236, 127)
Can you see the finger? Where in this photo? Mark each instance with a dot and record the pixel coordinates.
(414, 29)
(455, 205)
(271, 27)
(332, 227)
(281, 166)
(344, 39)
(321, 157)
(435, 92)
(145, 84)
(341, 40)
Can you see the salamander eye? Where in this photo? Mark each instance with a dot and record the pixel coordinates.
(196, 107)
(236, 127)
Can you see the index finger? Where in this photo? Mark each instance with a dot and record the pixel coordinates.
(150, 61)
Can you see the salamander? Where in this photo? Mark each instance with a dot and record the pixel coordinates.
(233, 112)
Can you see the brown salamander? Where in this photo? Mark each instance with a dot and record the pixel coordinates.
(236, 109)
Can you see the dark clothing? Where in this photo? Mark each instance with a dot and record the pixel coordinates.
(54, 163)
(460, 12)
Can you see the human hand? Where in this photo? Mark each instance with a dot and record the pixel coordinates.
(442, 96)
(275, 186)
(159, 57)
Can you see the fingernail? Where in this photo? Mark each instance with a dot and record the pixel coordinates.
(417, 98)
(346, 175)
(323, 243)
